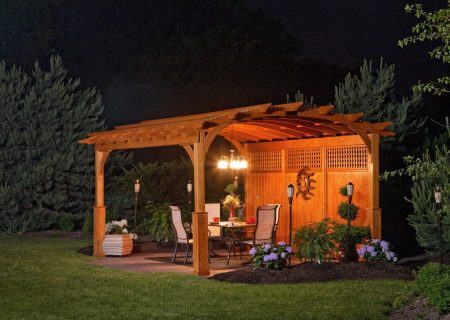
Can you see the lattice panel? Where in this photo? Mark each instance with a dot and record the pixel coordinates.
(299, 158)
(266, 161)
(354, 157)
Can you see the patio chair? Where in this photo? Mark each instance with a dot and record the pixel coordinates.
(181, 234)
(266, 219)
(276, 217)
(214, 234)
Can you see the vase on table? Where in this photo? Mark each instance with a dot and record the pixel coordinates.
(117, 245)
(232, 216)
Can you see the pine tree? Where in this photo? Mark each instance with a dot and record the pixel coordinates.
(45, 173)
(373, 93)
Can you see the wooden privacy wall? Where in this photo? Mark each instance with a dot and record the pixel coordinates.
(334, 161)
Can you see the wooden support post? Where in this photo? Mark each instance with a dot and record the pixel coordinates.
(373, 219)
(200, 246)
(99, 209)
(373, 212)
(199, 218)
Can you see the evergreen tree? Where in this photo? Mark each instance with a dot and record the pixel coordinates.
(45, 173)
(373, 93)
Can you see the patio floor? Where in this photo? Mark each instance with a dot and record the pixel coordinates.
(161, 262)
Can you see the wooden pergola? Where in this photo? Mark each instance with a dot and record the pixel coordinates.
(242, 127)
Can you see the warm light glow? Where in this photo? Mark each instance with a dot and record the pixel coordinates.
(438, 195)
(223, 163)
(189, 186)
(137, 187)
(232, 162)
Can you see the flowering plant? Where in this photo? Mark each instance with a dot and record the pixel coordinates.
(377, 250)
(272, 257)
(119, 227)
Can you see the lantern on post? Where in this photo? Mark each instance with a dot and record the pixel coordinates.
(189, 190)
(290, 193)
(137, 189)
(438, 200)
(350, 189)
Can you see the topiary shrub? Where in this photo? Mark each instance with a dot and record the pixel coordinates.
(315, 242)
(433, 281)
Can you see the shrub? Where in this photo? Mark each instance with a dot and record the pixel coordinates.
(158, 224)
(377, 250)
(65, 222)
(433, 280)
(344, 208)
(357, 233)
(315, 242)
(272, 257)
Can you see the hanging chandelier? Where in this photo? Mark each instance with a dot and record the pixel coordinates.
(232, 162)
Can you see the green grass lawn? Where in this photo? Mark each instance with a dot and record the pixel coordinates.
(44, 278)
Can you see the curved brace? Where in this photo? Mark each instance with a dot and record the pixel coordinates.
(189, 151)
(364, 137)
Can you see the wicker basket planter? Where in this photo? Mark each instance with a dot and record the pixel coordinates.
(117, 245)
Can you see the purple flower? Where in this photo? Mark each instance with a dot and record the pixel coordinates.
(252, 251)
(373, 253)
(362, 251)
(288, 249)
(266, 247)
(384, 245)
(273, 256)
(266, 258)
(370, 249)
(281, 243)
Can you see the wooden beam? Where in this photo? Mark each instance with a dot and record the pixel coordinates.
(99, 209)
(147, 143)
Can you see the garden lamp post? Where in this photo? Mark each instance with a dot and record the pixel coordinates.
(438, 200)
(350, 188)
(189, 190)
(290, 192)
(137, 189)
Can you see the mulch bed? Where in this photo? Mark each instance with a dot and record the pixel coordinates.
(314, 272)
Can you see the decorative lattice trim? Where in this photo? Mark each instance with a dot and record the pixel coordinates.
(352, 157)
(266, 161)
(299, 158)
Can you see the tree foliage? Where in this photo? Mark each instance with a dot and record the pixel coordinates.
(160, 183)
(434, 26)
(45, 174)
(373, 93)
(428, 173)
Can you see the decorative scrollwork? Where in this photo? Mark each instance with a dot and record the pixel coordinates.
(304, 182)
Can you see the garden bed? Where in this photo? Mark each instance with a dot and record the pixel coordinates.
(314, 272)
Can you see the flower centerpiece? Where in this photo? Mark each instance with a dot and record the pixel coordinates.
(377, 250)
(272, 257)
(118, 241)
(231, 201)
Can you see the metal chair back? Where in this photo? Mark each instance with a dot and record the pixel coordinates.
(177, 223)
(266, 218)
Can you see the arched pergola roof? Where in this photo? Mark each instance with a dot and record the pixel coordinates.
(265, 122)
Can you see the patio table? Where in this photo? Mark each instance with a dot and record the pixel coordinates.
(232, 229)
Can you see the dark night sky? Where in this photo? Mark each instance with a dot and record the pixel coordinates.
(338, 32)
(349, 31)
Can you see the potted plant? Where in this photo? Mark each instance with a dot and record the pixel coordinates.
(357, 234)
(231, 201)
(118, 242)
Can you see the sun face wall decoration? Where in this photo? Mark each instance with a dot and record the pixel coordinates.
(304, 182)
